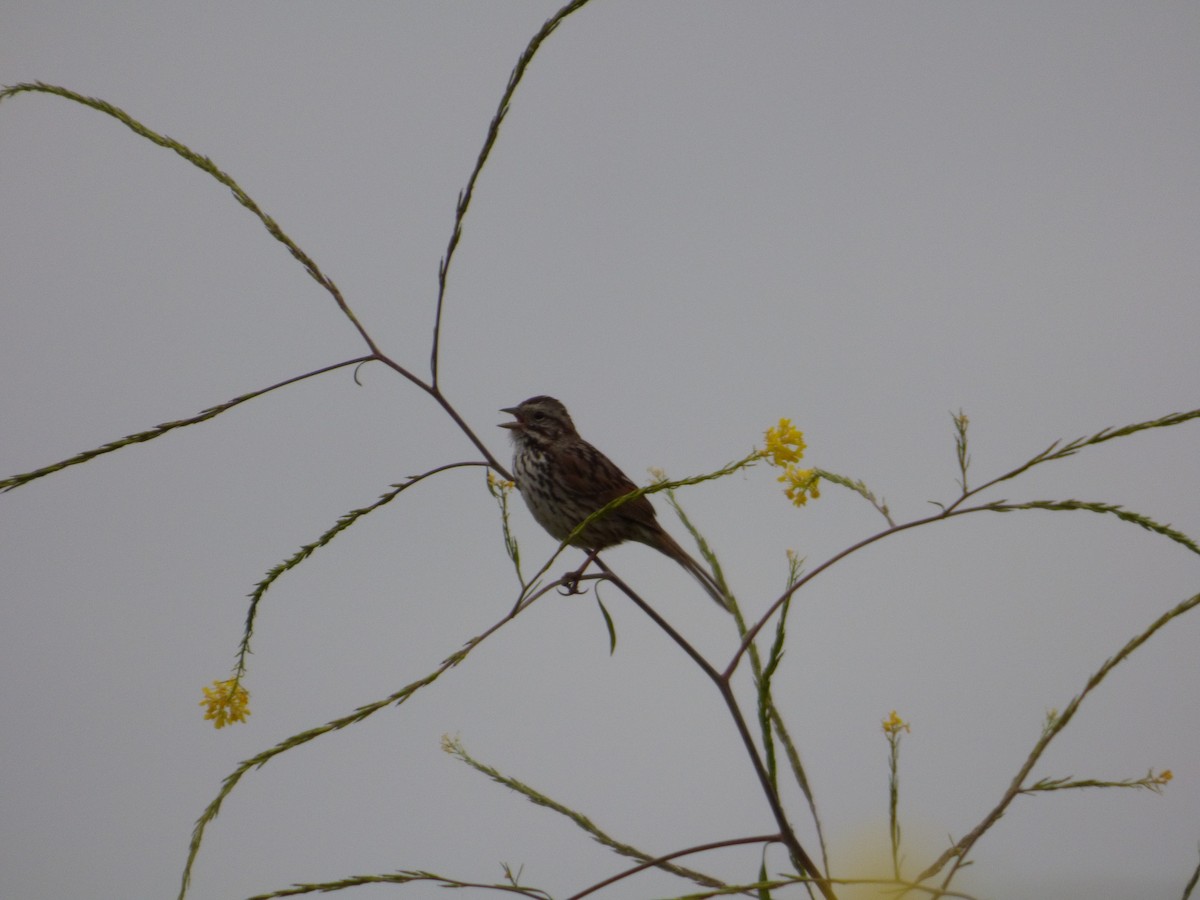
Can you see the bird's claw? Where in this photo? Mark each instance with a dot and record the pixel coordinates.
(570, 584)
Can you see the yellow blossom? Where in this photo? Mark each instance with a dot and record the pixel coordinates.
(225, 702)
(801, 484)
(785, 443)
(893, 724)
(1165, 775)
(498, 483)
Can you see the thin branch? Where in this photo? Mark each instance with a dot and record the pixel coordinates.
(454, 747)
(1191, 885)
(657, 862)
(15, 481)
(1055, 451)
(949, 513)
(464, 198)
(859, 487)
(261, 759)
(771, 721)
(206, 165)
(898, 888)
(960, 849)
(801, 776)
(662, 623)
(753, 631)
(344, 521)
(800, 858)
(407, 876)
(1148, 782)
(1125, 515)
(466, 429)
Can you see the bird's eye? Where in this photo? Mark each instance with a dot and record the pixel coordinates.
(539, 415)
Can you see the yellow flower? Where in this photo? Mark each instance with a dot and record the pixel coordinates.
(225, 702)
(498, 483)
(801, 484)
(893, 724)
(785, 443)
(1165, 775)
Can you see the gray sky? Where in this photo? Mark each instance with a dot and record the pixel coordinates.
(700, 217)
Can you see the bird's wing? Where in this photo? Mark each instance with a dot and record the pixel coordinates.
(591, 475)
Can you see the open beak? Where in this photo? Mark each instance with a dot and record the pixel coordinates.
(512, 411)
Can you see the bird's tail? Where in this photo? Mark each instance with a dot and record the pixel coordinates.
(671, 548)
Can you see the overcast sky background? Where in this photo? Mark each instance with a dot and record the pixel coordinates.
(699, 217)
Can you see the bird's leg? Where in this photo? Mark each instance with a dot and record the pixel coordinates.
(570, 581)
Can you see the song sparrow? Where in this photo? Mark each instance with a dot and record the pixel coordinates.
(564, 479)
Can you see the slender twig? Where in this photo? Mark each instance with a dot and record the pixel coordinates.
(950, 512)
(662, 623)
(893, 888)
(344, 521)
(261, 759)
(207, 165)
(959, 851)
(859, 487)
(961, 424)
(1120, 512)
(466, 429)
(1148, 782)
(430, 388)
(659, 860)
(1191, 885)
(7, 484)
(405, 877)
(800, 857)
(1056, 452)
(454, 747)
(892, 728)
(753, 631)
(801, 776)
(464, 197)
(770, 721)
(310, 266)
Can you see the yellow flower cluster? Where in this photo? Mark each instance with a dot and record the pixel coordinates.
(893, 724)
(495, 484)
(785, 447)
(225, 702)
(785, 443)
(801, 484)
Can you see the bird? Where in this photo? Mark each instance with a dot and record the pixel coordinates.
(564, 479)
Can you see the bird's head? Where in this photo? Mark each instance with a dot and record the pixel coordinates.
(540, 420)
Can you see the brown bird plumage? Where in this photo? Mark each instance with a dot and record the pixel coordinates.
(564, 479)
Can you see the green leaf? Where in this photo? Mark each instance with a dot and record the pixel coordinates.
(608, 623)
